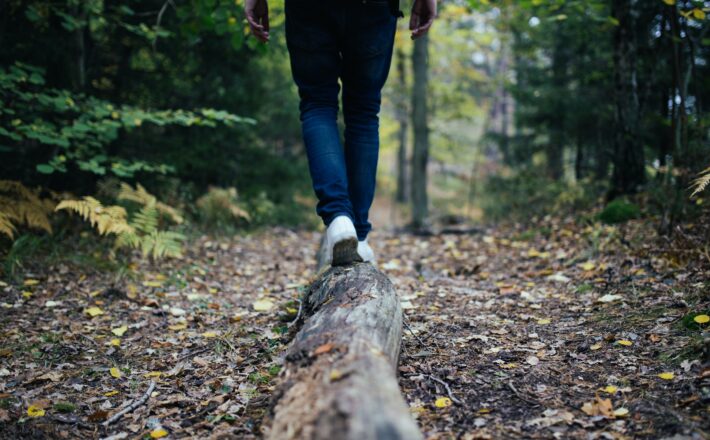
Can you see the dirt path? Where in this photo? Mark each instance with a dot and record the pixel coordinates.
(560, 331)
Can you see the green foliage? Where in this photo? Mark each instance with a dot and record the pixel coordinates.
(76, 129)
(619, 211)
(143, 230)
(688, 321)
(220, 207)
(529, 194)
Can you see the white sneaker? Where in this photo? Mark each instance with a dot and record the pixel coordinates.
(342, 242)
(365, 252)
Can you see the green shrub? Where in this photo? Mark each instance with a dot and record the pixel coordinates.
(619, 211)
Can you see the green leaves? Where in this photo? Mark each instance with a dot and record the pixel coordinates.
(83, 126)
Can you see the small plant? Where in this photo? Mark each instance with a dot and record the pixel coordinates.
(21, 206)
(619, 211)
(141, 231)
(220, 206)
(701, 182)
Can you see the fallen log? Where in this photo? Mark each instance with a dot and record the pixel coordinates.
(340, 377)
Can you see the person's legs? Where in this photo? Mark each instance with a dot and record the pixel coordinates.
(367, 53)
(311, 37)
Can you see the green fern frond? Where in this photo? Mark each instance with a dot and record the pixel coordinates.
(146, 220)
(701, 182)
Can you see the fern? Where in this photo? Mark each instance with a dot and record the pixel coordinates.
(21, 206)
(106, 220)
(220, 206)
(701, 182)
(141, 231)
(143, 197)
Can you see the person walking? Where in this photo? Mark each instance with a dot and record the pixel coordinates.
(349, 43)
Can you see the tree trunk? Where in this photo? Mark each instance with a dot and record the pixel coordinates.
(555, 146)
(340, 379)
(420, 155)
(629, 163)
(403, 119)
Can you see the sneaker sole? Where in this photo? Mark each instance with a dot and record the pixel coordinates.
(345, 252)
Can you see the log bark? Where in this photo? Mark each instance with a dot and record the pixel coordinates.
(340, 379)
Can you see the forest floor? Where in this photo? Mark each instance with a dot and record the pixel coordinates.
(563, 330)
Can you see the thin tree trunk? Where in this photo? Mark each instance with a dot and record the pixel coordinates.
(403, 119)
(629, 162)
(555, 146)
(420, 155)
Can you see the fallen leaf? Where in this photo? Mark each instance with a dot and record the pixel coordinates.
(667, 375)
(94, 311)
(158, 433)
(598, 407)
(609, 298)
(115, 372)
(177, 327)
(595, 346)
(442, 402)
(152, 283)
(702, 319)
(153, 374)
(621, 412)
(110, 393)
(35, 411)
(543, 321)
(98, 416)
(325, 348)
(31, 282)
(209, 335)
(625, 342)
(116, 342)
(588, 266)
(263, 305)
(610, 389)
(532, 360)
(119, 331)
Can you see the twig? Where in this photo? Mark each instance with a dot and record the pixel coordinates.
(298, 315)
(406, 324)
(160, 18)
(448, 389)
(132, 406)
(520, 396)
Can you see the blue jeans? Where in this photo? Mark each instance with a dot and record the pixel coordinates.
(350, 41)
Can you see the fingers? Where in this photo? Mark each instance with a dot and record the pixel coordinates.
(260, 31)
(420, 29)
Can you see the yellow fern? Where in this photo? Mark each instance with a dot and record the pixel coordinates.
(21, 206)
(701, 182)
(106, 219)
(143, 197)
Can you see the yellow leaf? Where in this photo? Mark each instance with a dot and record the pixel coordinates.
(95, 293)
(263, 305)
(699, 14)
(110, 393)
(158, 433)
(93, 311)
(610, 389)
(509, 365)
(209, 335)
(669, 2)
(667, 375)
(595, 347)
(119, 331)
(621, 412)
(115, 372)
(543, 321)
(153, 374)
(702, 319)
(35, 411)
(177, 327)
(152, 283)
(26, 294)
(625, 342)
(442, 402)
(588, 266)
(116, 342)
(31, 282)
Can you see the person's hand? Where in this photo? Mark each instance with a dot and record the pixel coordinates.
(257, 12)
(423, 14)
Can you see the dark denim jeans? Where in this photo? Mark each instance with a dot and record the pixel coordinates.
(350, 41)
